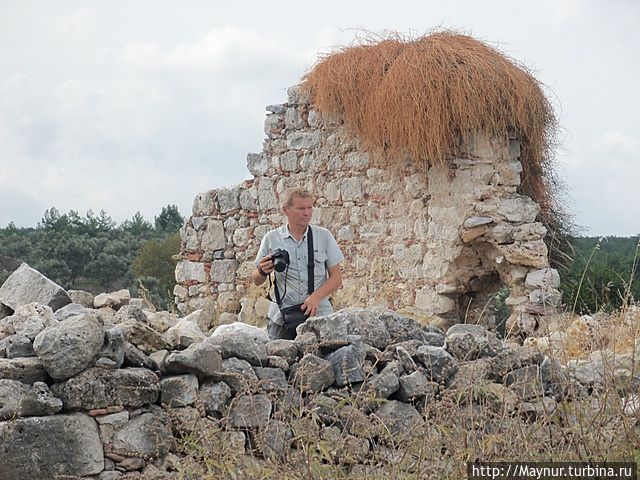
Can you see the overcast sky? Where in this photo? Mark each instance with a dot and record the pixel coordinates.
(130, 106)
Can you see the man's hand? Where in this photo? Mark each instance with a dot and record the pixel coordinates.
(310, 305)
(266, 265)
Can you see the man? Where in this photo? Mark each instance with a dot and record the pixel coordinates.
(297, 206)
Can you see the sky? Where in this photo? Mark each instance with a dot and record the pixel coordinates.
(131, 106)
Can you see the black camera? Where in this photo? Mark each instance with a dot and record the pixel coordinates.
(280, 259)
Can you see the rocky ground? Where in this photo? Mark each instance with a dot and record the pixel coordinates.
(108, 388)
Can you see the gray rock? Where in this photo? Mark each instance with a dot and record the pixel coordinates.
(513, 358)
(20, 400)
(67, 348)
(366, 323)
(129, 312)
(300, 140)
(113, 300)
(405, 358)
(228, 199)
(275, 439)
(347, 365)
(203, 359)
(42, 448)
(415, 386)
(277, 362)
(18, 346)
(113, 347)
(476, 221)
(330, 331)
(538, 409)
(242, 341)
(143, 336)
(278, 109)
(439, 364)
(214, 396)
(238, 374)
(184, 333)
(526, 382)
(146, 434)
(248, 411)
(543, 278)
(26, 370)
(99, 388)
(81, 297)
(271, 379)
(179, 391)
(26, 285)
(557, 381)
(381, 386)
(399, 419)
(28, 320)
(69, 310)
(468, 342)
(134, 357)
(286, 349)
(312, 374)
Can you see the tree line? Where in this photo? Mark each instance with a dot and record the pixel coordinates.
(93, 252)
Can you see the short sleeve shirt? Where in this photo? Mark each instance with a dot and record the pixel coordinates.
(326, 254)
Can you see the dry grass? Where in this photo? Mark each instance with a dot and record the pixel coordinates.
(419, 98)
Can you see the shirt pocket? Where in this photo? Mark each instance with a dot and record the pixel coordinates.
(319, 265)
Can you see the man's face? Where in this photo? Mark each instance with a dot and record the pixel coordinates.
(299, 213)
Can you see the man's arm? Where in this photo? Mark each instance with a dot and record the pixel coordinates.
(266, 265)
(333, 283)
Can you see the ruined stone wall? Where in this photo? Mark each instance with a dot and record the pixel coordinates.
(436, 242)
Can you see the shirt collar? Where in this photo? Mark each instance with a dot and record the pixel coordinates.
(287, 233)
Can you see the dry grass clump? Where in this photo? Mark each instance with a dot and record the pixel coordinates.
(419, 98)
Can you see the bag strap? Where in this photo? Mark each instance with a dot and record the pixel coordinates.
(310, 262)
(310, 270)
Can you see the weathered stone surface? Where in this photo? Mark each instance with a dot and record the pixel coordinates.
(179, 390)
(146, 434)
(473, 222)
(249, 411)
(99, 388)
(286, 349)
(214, 396)
(312, 373)
(367, 323)
(130, 312)
(81, 297)
(185, 333)
(238, 374)
(271, 379)
(257, 164)
(275, 439)
(347, 365)
(187, 271)
(67, 348)
(526, 382)
(228, 199)
(113, 347)
(532, 254)
(381, 386)
(114, 300)
(242, 341)
(495, 396)
(28, 320)
(329, 330)
(143, 337)
(26, 370)
(42, 448)
(26, 285)
(134, 357)
(20, 400)
(518, 209)
(467, 342)
(224, 271)
(70, 310)
(300, 140)
(415, 386)
(203, 359)
(17, 346)
(399, 419)
(439, 364)
(542, 278)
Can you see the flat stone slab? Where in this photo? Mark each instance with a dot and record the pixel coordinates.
(26, 285)
(39, 448)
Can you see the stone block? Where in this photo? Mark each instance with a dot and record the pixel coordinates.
(26, 285)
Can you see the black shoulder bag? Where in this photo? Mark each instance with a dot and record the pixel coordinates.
(294, 316)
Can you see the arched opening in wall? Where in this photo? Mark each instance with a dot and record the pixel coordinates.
(481, 290)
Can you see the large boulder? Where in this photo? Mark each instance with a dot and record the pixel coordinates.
(26, 285)
(67, 348)
(28, 320)
(203, 359)
(56, 446)
(99, 388)
(27, 370)
(242, 341)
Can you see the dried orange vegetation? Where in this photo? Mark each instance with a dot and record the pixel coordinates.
(418, 98)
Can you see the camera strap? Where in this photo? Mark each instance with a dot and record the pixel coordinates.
(310, 270)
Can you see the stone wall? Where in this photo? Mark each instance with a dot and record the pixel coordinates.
(437, 242)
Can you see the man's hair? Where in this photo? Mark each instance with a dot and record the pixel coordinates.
(286, 199)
